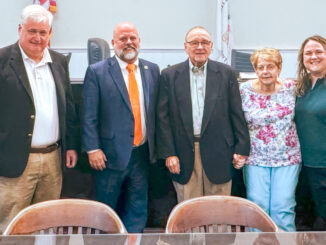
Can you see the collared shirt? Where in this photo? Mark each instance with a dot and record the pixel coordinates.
(46, 127)
(197, 89)
(125, 74)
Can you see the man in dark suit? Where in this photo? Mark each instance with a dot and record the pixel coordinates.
(37, 117)
(200, 125)
(119, 100)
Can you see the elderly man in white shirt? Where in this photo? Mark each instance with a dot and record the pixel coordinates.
(37, 127)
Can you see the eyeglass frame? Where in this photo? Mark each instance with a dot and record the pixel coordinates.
(204, 43)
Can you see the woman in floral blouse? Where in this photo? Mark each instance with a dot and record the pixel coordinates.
(272, 169)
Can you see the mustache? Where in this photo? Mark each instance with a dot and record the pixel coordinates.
(130, 46)
(35, 42)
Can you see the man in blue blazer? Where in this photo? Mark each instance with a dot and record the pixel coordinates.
(112, 123)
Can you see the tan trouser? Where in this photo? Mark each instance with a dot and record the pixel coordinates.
(199, 184)
(40, 181)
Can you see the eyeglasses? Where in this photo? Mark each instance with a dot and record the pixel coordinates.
(194, 44)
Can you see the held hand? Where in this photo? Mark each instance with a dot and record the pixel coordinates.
(97, 160)
(172, 163)
(239, 161)
(71, 158)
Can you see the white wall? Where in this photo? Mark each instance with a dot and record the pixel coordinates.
(162, 24)
(9, 19)
(282, 24)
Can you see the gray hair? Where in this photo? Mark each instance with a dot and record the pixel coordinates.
(36, 13)
(197, 27)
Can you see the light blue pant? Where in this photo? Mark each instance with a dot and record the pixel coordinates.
(273, 189)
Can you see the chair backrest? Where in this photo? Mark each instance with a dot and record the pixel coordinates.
(97, 49)
(66, 216)
(68, 57)
(212, 214)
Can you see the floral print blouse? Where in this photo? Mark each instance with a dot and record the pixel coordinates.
(273, 135)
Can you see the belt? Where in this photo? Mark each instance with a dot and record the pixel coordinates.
(196, 138)
(47, 149)
(140, 149)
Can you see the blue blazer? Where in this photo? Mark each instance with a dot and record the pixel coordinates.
(108, 122)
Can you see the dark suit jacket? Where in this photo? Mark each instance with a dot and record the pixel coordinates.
(224, 129)
(18, 112)
(108, 122)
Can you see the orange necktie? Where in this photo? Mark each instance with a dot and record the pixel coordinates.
(135, 104)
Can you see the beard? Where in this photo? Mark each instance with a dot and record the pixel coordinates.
(130, 55)
(126, 55)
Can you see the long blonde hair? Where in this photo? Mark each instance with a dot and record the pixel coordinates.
(304, 82)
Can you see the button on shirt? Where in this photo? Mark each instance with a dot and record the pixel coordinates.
(197, 89)
(125, 75)
(46, 126)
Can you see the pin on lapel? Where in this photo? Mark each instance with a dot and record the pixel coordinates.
(145, 67)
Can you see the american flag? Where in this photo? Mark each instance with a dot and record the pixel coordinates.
(50, 5)
(224, 40)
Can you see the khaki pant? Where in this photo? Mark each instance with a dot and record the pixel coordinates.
(198, 184)
(40, 181)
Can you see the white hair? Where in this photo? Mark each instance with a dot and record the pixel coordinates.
(36, 13)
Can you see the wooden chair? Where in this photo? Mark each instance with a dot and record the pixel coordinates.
(212, 214)
(66, 216)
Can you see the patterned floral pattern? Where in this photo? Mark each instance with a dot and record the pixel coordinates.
(273, 135)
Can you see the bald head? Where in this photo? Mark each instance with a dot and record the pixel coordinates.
(123, 26)
(197, 29)
(126, 42)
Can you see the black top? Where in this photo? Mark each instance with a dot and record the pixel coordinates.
(310, 118)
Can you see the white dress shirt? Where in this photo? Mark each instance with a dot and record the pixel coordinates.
(125, 74)
(198, 90)
(46, 127)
